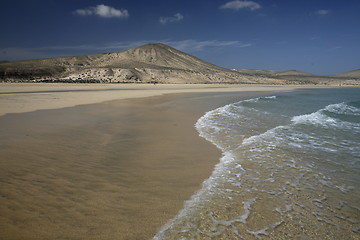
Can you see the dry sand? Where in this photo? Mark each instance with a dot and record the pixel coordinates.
(18, 98)
(113, 170)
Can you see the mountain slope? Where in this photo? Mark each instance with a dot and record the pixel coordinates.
(294, 73)
(148, 63)
(350, 74)
(155, 56)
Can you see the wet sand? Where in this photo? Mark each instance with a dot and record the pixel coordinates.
(113, 170)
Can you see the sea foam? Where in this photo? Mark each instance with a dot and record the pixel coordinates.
(281, 174)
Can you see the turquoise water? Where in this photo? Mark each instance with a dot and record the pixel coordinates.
(290, 170)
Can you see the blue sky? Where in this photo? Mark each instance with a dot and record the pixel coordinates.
(315, 36)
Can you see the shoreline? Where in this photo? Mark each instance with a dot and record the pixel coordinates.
(248, 156)
(99, 170)
(27, 97)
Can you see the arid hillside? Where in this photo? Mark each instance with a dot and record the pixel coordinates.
(146, 64)
(355, 74)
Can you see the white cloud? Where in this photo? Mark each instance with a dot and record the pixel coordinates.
(323, 12)
(103, 11)
(237, 4)
(177, 17)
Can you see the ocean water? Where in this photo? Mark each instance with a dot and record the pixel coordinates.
(290, 170)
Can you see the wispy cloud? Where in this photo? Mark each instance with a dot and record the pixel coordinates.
(194, 45)
(189, 46)
(176, 18)
(323, 12)
(336, 48)
(102, 11)
(237, 5)
(184, 45)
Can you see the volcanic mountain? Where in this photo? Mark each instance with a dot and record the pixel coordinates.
(149, 63)
(156, 56)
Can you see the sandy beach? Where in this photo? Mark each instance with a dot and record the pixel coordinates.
(103, 161)
(19, 98)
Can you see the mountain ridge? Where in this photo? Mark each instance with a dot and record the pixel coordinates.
(150, 63)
